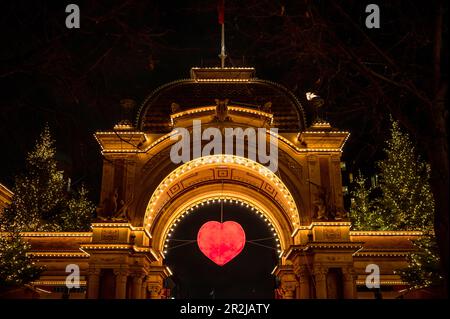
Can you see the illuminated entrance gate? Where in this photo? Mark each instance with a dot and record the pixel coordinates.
(144, 194)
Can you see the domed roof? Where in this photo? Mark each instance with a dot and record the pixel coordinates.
(238, 85)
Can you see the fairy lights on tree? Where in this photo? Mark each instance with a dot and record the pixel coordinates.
(41, 201)
(362, 212)
(401, 201)
(16, 266)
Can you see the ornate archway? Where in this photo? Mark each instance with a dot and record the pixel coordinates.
(225, 177)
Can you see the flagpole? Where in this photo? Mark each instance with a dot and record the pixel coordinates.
(221, 18)
(222, 52)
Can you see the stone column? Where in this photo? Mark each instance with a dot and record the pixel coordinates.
(137, 286)
(303, 278)
(320, 277)
(121, 283)
(144, 289)
(349, 277)
(93, 283)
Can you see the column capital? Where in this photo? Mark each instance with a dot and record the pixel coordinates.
(121, 272)
(301, 270)
(320, 272)
(93, 272)
(349, 273)
(137, 274)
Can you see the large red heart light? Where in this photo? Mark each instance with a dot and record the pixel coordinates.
(221, 242)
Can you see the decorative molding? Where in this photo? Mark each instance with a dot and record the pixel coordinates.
(59, 254)
(386, 233)
(384, 283)
(381, 254)
(56, 234)
(109, 235)
(55, 283)
(107, 247)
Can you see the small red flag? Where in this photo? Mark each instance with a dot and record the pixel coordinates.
(221, 11)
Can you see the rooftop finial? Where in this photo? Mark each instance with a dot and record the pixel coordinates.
(221, 18)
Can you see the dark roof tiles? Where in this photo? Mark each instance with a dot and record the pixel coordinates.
(154, 113)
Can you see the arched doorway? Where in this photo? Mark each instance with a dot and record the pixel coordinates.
(248, 275)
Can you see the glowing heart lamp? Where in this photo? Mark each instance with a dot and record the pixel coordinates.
(221, 242)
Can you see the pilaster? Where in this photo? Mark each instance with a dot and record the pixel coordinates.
(121, 283)
(93, 283)
(320, 278)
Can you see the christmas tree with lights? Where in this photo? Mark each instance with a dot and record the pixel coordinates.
(423, 264)
(401, 201)
(16, 265)
(362, 212)
(406, 202)
(41, 201)
(77, 213)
